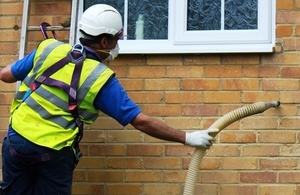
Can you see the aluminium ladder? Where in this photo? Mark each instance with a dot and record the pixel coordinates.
(25, 28)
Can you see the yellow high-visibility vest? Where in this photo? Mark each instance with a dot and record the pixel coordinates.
(43, 117)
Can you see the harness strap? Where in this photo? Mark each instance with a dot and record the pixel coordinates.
(77, 56)
(33, 159)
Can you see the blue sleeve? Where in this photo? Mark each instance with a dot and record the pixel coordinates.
(113, 101)
(22, 67)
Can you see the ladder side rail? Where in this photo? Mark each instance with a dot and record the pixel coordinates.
(24, 34)
(73, 24)
(25, 19)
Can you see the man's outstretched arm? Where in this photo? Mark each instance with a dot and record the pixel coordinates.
(158, 129)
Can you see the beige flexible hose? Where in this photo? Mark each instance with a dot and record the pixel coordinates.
(221, 123)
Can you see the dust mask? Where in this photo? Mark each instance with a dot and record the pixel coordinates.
(112, 53)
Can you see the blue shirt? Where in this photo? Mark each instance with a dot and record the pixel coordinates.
(111, 100)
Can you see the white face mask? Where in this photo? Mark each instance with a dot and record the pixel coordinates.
(112, 53)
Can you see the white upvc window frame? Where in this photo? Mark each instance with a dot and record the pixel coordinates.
(222, 41)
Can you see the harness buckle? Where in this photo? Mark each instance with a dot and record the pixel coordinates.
(72, 107)
(32, 87)
(77, 53)
(78, 47)
(78, 155)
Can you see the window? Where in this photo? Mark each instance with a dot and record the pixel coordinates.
(195, 26)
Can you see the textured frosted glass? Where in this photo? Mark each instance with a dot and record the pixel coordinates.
(241, 14)
(204, 15)
(147, 19)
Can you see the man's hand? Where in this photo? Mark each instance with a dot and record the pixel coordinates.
(200, 138)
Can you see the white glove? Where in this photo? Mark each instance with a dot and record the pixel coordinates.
(200, 138)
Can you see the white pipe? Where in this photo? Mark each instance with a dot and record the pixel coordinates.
(221, 123)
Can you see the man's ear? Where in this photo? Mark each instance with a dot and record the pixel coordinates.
(104, 42)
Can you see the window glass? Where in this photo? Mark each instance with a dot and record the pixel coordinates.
(208, 15)
(143, 19)
(241, 14)
(204, 15)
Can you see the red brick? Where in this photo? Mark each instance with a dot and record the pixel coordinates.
(224, 150)
(87, 188)
(124, 163)
(201, 59)
(178, 150)
(291, 44)
(289, 177)
(237, 163)
(199, 110)
(143, 176)
(132, 84)
(107, 150)
(261, 71)
(87, 162)
(184, 123)
(222, 97)
(146, 72)
(287, 4)
(162, 163)
(104, 176)
(282, 84)
(259, 123)
(200, 84)
(240, 59)
(240, 84)
(183, 97)
(123, 189)
(144, 150)
(164, 84)
(223, 71)
(238, 189)
(284, 31)
(277, 189)
(219, 177)
(261, 150)
(237, 136)
(52, 8)
(258, 96)
(174, 176)
(146, 97)
(184, 71)
(154, 189)
(281, 59)
(171, 59)
(278, 164)
(124, 136)
(276, 137)
(258, 177)
(162, 110)
(290, 72)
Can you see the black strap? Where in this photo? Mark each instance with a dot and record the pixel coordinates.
(33, 159)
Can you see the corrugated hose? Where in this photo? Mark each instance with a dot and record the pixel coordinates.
(221, 123)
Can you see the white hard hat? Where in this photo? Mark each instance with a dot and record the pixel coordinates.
(99, 19)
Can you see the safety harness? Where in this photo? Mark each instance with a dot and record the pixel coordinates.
(77, 55)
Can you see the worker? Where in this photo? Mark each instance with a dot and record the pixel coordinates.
(63, 87)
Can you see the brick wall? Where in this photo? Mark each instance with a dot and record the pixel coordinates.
(254, 156)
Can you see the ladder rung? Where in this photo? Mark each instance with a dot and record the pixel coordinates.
(49, 28)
